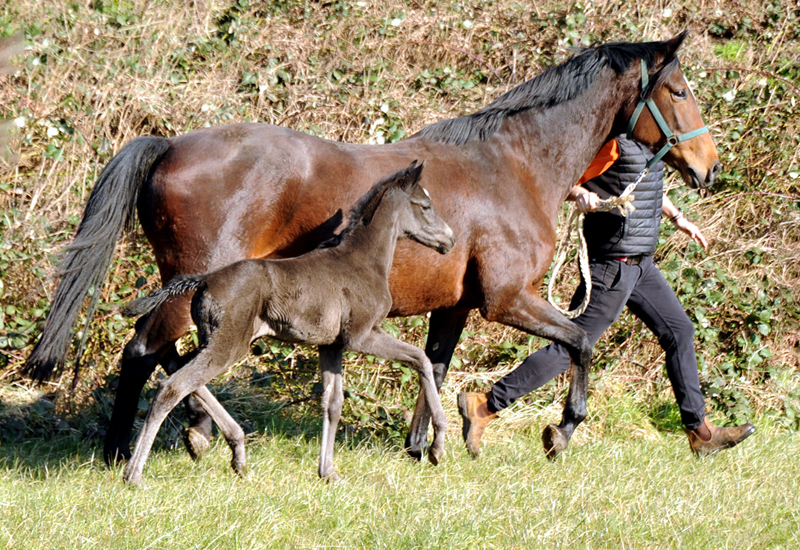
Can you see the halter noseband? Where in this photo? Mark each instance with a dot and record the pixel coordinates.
(672, 139)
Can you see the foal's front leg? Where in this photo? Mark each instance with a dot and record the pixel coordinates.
(330, 364)
(380, 344)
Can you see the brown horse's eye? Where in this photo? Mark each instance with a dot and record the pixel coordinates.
(681, 94)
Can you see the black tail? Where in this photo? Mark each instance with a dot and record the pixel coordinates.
(110, 209)
(177, 286)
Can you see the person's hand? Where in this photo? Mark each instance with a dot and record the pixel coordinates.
(585, 200)
(692, 230)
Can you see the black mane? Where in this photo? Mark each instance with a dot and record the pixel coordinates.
(556, 85)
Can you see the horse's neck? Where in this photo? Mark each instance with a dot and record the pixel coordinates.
(560, 142)
(375, 242)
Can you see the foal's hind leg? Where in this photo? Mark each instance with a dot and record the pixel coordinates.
(153, 343)
(443, 334)
(203, 398)
(234, 435)
(380, 344)
(330, 365)
(207, 364)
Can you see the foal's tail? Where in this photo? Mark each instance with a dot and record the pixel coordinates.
(110, 209)
(176, 287)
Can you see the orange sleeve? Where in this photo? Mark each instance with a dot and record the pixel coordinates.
(602, 162)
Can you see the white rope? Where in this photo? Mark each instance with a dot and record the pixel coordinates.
(625, 205)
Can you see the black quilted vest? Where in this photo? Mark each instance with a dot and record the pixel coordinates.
(611, 234)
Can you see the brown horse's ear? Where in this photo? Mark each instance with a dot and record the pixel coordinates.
(674, 44)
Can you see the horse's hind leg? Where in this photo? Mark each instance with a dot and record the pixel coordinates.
(443, 334)
(139, 360)
(330, 364)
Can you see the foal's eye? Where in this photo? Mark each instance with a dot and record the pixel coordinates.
(681, 94)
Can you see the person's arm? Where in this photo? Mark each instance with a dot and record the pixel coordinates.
(674, 214)
(586, 200)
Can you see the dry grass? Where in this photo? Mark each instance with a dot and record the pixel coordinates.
(92, 80)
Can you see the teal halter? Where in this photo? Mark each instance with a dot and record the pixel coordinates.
(672, 139)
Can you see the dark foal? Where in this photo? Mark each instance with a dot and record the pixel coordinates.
(334, 297)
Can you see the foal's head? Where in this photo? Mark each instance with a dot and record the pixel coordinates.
(416, 218)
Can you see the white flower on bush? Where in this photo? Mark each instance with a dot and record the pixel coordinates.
(729, 95)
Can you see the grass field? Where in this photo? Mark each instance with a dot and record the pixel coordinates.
(605, 492)
(94, 74)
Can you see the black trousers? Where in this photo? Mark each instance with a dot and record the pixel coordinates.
(648, 295)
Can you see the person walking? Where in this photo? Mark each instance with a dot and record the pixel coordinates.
(623, 274)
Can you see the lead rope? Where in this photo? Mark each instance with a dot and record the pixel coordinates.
(625, 205)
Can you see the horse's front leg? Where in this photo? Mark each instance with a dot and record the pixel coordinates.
(380, 344)
(443, 334)
(330, 364)
(529, 312)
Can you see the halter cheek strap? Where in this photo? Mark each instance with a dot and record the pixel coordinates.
(672, 139)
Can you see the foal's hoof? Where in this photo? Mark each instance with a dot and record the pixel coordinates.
(333, 477)
(554, 441)
(414, 451)
(195, 443)
(131, 478)
(239, 466)
(435, 456)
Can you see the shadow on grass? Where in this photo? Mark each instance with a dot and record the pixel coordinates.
(36, 440)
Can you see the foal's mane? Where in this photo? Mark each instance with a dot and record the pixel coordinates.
(556, 85)
(363, 208)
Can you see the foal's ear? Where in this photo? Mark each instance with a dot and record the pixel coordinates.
(412, 175)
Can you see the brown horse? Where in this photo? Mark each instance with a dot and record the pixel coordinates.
(499, 176)
(334, 297)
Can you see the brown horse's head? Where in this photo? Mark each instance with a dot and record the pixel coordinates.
(694, 157)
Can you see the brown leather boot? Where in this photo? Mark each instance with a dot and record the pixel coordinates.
(476, 415)
(708, 439)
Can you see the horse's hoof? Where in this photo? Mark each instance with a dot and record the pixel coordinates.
(116, 456)
(195, 443)
(554, 441)
(435, 456)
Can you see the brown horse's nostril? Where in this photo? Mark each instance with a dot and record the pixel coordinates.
(713, 173)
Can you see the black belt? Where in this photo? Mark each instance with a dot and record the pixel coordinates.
(630, 260)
